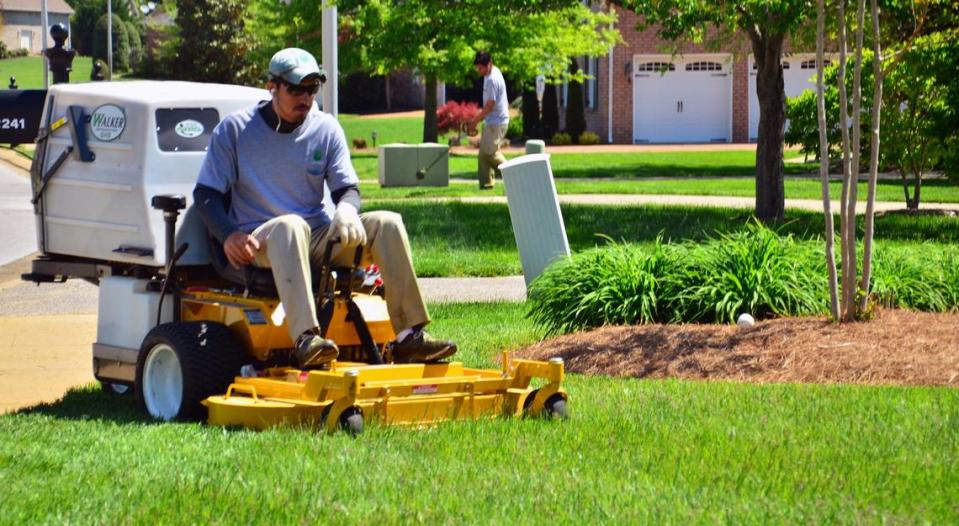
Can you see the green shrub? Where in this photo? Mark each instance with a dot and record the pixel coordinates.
(915, 279)
(755, 270)
(561, 139)
(135, 38)
(588, 138)
(617, 284)
(121, 44)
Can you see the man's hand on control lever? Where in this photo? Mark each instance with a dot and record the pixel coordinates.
(239, 248)
(347, 227)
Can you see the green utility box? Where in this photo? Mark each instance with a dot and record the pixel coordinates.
(424, 164)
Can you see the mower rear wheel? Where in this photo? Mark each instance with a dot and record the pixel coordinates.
(181, 364)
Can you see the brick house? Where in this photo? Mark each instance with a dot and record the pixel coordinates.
(22, 25)
(701, 96)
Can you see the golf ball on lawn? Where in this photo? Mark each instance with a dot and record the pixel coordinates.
(745, 320)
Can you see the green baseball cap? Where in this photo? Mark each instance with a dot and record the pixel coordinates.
(294, 65)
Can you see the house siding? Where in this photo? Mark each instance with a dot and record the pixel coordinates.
(15, 22)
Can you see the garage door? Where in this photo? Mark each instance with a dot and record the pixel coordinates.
(799, 74)
(682, 99)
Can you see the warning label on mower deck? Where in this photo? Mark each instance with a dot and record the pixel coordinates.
(426, 389)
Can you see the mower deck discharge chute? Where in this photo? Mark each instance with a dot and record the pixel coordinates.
(195, 338)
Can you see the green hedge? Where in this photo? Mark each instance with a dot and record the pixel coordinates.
(756, 271)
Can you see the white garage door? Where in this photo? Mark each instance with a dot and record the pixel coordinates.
(684, 99)
(799, 74)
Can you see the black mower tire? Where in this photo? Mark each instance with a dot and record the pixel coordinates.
(351, 421)
(553, 408)
(209, 355)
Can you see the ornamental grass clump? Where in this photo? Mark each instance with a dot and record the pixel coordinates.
(923, 279)
(755, 271)
(616, 284)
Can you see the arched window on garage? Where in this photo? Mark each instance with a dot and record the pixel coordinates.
(658, 67)
(704, 66)
(811, 64)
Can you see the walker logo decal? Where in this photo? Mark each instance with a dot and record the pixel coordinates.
(189, 129)
(317, 155)
(107, 122)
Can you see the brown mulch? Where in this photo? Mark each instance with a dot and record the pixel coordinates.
(897, 347)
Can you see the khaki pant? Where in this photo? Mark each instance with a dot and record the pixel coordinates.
(490, 156)
(289, 247)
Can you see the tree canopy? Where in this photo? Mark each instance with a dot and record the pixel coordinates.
(439, 39)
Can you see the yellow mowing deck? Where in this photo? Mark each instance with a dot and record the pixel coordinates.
(389, 394)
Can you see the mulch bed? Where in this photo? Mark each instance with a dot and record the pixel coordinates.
(897, 347)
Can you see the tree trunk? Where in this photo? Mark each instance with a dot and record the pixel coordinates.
(850, 281)
(877, 74)
(824, 163)
(844, 226)
(389, 92)
(430, 130)
(770, 193)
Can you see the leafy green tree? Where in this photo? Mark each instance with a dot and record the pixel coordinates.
(916, 112)
(135, 38)
(767, 24)
(83, 22)
(439, 39)
(212, 42)
(121, 43)
(575, 106)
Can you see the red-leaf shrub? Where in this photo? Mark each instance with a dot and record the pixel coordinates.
(454, 117)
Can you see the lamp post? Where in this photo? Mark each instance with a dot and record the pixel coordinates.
(44, 21)
(110, 38)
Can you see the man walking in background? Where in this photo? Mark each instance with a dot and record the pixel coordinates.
(495, 117)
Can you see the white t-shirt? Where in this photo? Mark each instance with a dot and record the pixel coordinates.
(494, 88)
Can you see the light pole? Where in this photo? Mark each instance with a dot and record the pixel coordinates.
(329, 28)
(110, 38)
(45, 22)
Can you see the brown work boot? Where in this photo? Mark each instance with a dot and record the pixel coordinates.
(418, 347)
(313, 351)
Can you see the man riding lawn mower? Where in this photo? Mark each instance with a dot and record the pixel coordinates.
(261, 306)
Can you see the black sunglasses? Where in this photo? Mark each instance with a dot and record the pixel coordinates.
(296, 89)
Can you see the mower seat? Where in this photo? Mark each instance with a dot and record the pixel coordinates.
(258, 281)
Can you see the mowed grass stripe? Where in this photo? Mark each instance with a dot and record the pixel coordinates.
(633, 451)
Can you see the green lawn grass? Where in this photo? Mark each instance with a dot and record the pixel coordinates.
(400, 129)
(933, 191)
(472, 239)
(29, 71)
(632, 452)
(626, 166)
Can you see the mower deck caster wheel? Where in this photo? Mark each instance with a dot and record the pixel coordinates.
(351, 419)
(114, 388)
(553, 408)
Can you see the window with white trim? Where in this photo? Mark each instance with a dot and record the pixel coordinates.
(658, 67)
(704, 66)
(811, 64)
